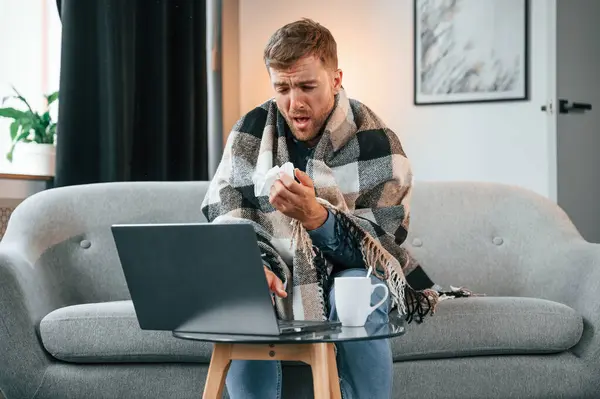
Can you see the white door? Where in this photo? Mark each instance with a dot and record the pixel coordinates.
(577, 112)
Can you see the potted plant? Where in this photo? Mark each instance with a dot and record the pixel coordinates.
(33, 137)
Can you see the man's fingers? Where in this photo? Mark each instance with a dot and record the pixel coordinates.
(278, 203)
(275, 284)
(279, 193)
(280, 206)
(279, 290)
(279, 190)
(305, 179)
(289, 183)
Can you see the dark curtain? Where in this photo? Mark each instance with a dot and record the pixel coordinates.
(133, 91)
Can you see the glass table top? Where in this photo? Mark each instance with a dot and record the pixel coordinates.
(370, 331)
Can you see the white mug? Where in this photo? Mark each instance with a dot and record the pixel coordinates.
(353, 299)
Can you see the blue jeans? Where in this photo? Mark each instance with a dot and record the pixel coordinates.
(364, 367)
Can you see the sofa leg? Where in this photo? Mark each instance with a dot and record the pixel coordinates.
(320, 356)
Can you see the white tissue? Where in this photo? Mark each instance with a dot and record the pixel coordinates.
(288, 169)
(264, 182)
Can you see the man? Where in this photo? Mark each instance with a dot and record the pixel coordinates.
(346, 210)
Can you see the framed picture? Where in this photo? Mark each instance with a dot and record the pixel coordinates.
(468, 51)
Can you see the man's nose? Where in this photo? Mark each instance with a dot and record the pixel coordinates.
(296, 101)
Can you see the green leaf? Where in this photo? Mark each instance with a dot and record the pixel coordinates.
(25, 128)
(12, 113)
(14, 129)
(50, 134)
(40, 125)
(38, 131)
(29, 125)
(34, 121)
(4, 99)
(20, 97)
(20, 137)
(52, 97)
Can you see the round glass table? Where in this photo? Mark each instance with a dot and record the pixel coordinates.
(317, 349)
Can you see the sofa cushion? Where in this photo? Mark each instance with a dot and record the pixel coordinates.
(490, 326)
(109, 333)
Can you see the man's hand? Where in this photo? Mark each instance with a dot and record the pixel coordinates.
(298, 200)
(275, 284)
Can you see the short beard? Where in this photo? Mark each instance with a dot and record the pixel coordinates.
(319, 124)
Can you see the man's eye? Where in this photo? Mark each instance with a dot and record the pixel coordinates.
(282, 90)
(309, 88)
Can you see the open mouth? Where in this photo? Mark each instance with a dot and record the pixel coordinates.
(301, 122)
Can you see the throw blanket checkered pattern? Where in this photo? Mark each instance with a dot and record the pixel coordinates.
(360, 173)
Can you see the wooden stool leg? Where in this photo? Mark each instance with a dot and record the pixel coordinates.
(217, 371)
(321, 358)
(320, 370)
(334, 379)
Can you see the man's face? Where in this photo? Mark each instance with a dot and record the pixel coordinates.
(305, 95)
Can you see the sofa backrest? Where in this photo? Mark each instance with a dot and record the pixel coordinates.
(489, 237)
(486, 236)
(66, 231)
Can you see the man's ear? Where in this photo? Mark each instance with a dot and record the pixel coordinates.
(337, 80)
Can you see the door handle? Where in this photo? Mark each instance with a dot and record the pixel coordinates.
(565, 107)
(583, 106)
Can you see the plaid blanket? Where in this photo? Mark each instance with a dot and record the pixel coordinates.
(360, 172)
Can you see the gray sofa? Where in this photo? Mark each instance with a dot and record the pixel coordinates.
(67, 329)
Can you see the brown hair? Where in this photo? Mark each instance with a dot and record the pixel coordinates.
(298, 39)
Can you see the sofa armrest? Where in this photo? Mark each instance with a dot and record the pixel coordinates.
(25, 298)
(569, 273)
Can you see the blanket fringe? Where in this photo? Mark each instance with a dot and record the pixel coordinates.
(420, 303)
(414, 304)
(303, 242)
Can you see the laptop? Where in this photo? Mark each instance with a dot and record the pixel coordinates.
(201, 278)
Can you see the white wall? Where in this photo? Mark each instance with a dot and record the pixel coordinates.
(30, 34)
(502, 142)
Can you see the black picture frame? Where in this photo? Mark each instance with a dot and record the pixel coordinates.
(438, 85)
